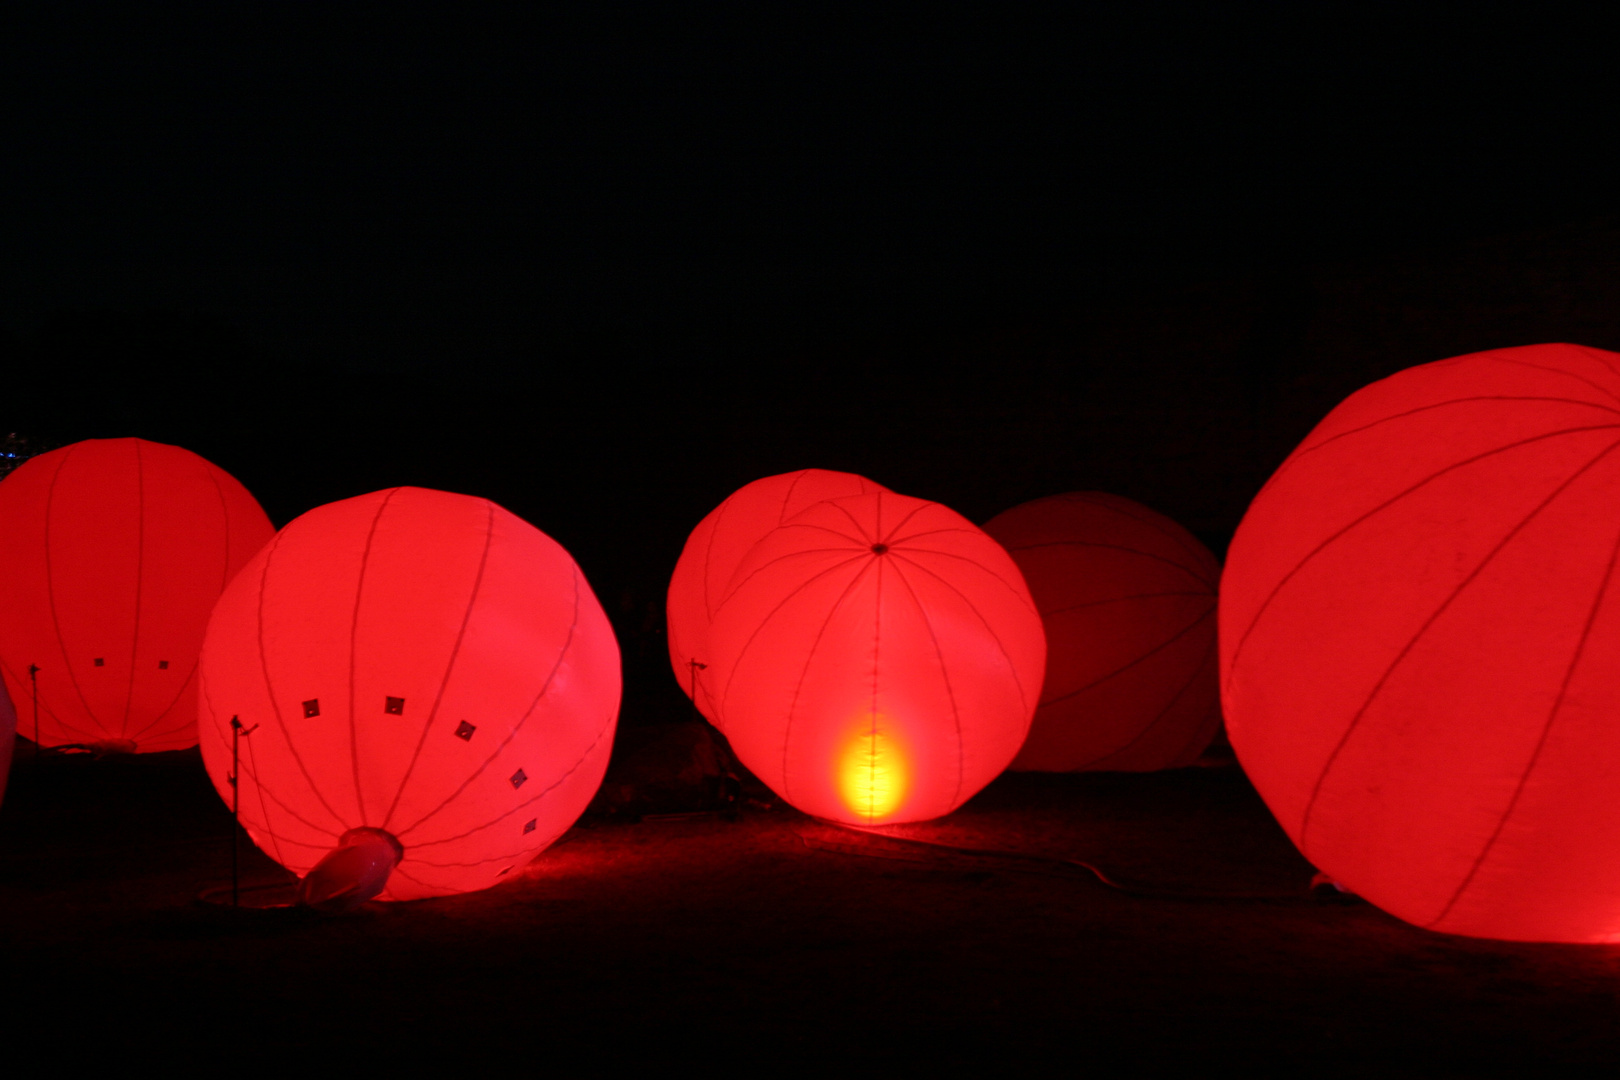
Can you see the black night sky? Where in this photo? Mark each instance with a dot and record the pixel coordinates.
(606, 263)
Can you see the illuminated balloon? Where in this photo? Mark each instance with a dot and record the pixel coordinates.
(423, 679)
(1420, 630)
(1128, 600)
(111, 555)
(877, 659)
(715, 548)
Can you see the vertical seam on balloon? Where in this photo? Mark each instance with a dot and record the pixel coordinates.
(1265, 604)
(545, 687)
(354, 639)
(1434, 616)
(140, 580)
(809, 658)
(872, 711)
(1023, 695)
(742, 652)
(1160, 647)
(950, 691)
(1541, 742)
(1203, 662)
(450, 665)
(787, 497)
(1159, 526)
(1022, 594)
(270, 690)
(50, 594)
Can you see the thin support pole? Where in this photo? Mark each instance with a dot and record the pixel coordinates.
(237, 731)
(696, 666)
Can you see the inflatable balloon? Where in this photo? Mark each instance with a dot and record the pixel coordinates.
(877, 659)
(427, 690)
(1420, 629)
(111, 555)
(1127, 597)
(715, 548)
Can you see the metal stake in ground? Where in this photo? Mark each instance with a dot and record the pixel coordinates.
(237, 732)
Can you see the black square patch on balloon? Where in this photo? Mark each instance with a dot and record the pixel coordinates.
(394, 706)
(528, 826)
(464, 730)
(163, 665)
(312, 707)
(100, 662)
(518, 778)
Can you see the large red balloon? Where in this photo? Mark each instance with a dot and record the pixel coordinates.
(417, 666)
(876, 659)
(715, 548)
(1128, 600)
(111, 555)
(1420, 630)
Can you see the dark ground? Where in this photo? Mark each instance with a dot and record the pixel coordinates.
(770, 941)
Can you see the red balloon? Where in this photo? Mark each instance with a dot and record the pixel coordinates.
(1128, 600)
(876, 659)
(112, 554)
(715, 548)
(1420, 627)
(412, 668)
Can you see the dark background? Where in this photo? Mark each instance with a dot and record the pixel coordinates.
(605, 266)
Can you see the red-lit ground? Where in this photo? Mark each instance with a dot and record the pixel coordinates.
(768, 942)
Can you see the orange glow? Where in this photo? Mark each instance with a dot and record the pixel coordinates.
(872, 774)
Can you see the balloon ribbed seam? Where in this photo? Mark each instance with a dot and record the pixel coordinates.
(1451, 597)
(450, 664)
(950, 691)
(809, 657)
(270, 690)
(140, 581)
(354, 647)
(50, 594)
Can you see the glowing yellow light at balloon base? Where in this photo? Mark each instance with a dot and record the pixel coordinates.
(872, 777)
